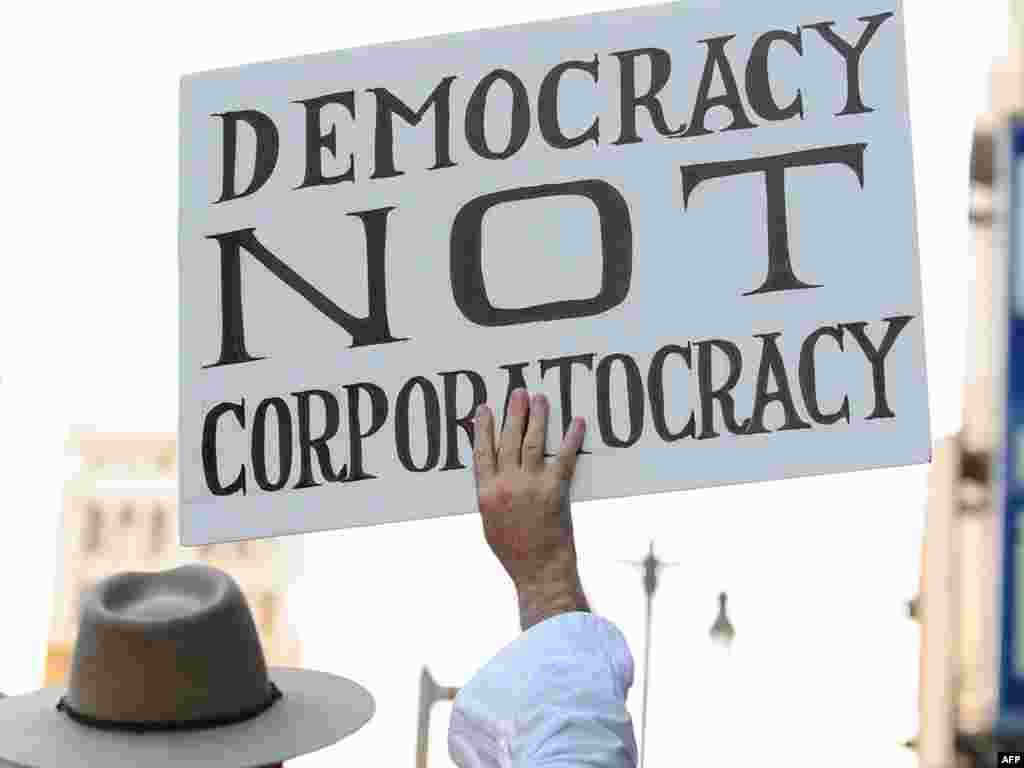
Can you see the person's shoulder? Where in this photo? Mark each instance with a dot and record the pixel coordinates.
(577, 639)
(575, 632)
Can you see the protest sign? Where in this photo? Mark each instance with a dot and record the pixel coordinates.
(691, 224)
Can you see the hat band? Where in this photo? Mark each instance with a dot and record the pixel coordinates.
(170, 725)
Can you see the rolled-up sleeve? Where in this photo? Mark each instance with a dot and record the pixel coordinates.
(553, 698)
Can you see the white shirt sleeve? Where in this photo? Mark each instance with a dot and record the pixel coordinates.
(553, 698)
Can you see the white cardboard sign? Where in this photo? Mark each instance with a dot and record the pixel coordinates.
(692, 224)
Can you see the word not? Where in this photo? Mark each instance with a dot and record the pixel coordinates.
(466, 259)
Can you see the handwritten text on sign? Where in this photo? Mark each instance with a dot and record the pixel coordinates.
(693, 227)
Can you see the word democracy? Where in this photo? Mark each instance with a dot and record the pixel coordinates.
(757, 80)
(648, 405)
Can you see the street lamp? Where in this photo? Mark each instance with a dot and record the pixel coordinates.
(651, 567)
(722, 631)
(430, 693)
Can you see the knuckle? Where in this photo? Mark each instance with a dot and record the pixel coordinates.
(503, 493)
(496, 498)
(488, 502)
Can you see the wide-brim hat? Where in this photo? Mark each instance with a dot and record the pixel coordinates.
(168, 671)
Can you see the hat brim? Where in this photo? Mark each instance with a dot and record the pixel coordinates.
(316, 710)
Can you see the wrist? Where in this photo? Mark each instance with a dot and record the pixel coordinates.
(555, 592)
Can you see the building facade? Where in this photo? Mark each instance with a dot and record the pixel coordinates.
(120, 514)
(958, 605)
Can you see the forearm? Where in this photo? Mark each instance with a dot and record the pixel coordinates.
(558, 591)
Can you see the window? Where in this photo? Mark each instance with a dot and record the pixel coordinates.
(92, 535)
(165, 460)
(157, 531)
(267, 611)
(79, 601)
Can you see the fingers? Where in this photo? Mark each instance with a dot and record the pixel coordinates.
(536, 431)
(511, 444)
(483, 445)
(566, 464)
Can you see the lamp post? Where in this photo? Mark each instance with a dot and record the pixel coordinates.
(651, 566)
(430, 693)
(722, 631)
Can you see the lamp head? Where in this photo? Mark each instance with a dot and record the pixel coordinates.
(722, 631)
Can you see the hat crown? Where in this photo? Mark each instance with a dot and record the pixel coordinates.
(169, 647)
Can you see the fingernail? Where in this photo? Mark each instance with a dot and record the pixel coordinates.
(481, 411)
(579, 426)
(540, 402)
(519, 394)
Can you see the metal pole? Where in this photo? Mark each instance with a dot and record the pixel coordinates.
(430, 692)
(647, 678)
(650, 566)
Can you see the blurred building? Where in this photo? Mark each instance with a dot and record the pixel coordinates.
(120, 514)
(958, 606)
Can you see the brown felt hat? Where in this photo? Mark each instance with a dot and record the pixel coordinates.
(168, 671)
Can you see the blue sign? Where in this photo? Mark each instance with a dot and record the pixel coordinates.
(1010, 470)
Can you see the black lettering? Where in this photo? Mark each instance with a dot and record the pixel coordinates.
(717, 59)
(317, 142)
(547, 107)
(384, 138)
(877, 359)
(759, 88)
(403, 436)
(772, 366)
(210, 449)
(467, 275)
(808, 378)
(267, 141)
(630, 100)
(520, 117)
(309, 444)
(634, 397)
(656, 392)
(780, 269)
(452, 420)
(708, 395)
(564, 366)
(372, 329)
(851, 56)
(259, 443)
(356, 435)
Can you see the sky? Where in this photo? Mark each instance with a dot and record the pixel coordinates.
(818, 570)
